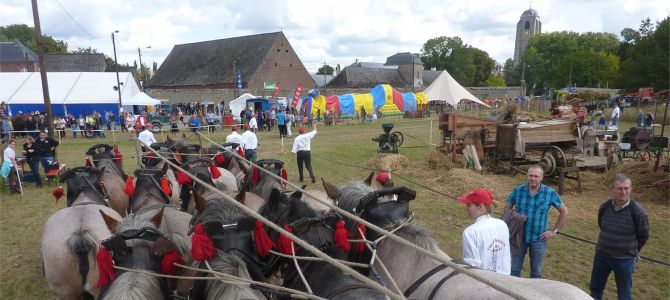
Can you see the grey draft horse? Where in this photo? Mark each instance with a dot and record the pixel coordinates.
(69, 236)
(113, 176)
(137, 243)
(231, 232)
(405, 265)
(316, 226)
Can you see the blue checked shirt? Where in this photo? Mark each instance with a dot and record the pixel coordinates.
(535, 208)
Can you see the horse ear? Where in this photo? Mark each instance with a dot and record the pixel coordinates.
(199, 201)
(331, 189)
(165, 168)
(102, 171)
(158, 218)
(109, 221)
(275, 196)
(242, 166)
(170, 140)
(368, 180)
(240, 196)
(183, 135)
(296, 195)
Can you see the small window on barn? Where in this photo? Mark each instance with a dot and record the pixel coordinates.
(286, 50)
(277, 50)
(275, 65)
(290, 65)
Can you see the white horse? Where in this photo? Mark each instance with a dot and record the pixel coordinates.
(70, 236)
(406, 266)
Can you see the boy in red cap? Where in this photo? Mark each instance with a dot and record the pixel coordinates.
(486, 242)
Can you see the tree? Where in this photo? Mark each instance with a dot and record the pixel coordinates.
(495, 80)
(88, 50)
(645, 59)
(26, 35)
(468, 65)
(155, 67)
(325, 70)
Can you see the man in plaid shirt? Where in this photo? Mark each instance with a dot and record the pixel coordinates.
(533, 200)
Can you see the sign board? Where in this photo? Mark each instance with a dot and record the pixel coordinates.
(269, 85)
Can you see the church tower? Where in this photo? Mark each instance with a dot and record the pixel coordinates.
(529, 24)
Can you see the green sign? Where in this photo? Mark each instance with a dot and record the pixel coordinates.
(269, 85)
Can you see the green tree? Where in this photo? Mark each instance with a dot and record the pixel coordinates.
(325, 70)
(495, 80)
(154, 68)
(644, 62)
(26, 35)
(468, 65)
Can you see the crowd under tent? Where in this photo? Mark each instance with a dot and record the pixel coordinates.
(70, 92)
(446, 88)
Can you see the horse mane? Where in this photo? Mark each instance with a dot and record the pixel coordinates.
(133, 285)
(350, 196)
(228, 264)
(218, 209)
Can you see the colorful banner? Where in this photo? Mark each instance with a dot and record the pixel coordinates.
(239, 79)
(276, 93)
(296, 96)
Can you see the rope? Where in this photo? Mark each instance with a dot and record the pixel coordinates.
(310, 258)
(375, 285)
(274, 226)
(569, 236)
(299, 270)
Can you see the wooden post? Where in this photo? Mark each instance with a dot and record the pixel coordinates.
(43, 71)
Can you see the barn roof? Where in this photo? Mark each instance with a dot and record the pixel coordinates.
(75, 62)
(358, 77)
(16, 52)
(211, 62)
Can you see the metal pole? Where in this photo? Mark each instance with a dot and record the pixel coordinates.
(116, 67)
(139, 52)
(43, 71)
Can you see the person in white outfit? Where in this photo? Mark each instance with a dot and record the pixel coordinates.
(146, 137)
(486, 242)
(302, 147)
(250, 143)
(235, 137)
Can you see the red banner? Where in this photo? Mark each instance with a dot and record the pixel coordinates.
(275, 95)
(296, 96)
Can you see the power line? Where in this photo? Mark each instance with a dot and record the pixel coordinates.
(75, 21)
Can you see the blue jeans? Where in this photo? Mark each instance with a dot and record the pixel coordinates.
(35, 168)
(623, 274)
(44, 160)
(250, 154)
(536, 254)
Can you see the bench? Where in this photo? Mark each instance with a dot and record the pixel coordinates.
(51, 175)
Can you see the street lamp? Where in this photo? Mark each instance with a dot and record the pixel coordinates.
(142, 77)
(116, 67)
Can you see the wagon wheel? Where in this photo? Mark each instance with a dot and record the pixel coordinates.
(553, 157)
(642, 139)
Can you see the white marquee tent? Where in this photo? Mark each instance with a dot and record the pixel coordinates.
(237, 105)
(445, 88)
(72, 92)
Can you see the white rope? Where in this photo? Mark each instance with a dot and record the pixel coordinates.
(299, 270)
(311, 258)
(274, 226)
(386, 233)
(381, 264)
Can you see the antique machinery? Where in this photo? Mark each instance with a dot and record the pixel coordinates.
(388, 142)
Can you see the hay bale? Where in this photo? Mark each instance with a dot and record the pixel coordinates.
(438, 160)
(391, 162)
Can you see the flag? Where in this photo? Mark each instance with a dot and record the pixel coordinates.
(239, 79)
(296, 96)
(276, 93)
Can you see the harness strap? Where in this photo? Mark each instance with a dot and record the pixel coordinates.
(412, 288)
(346, 289)
(439, 284)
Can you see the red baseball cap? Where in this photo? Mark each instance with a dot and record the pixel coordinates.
(246, 126)
(382, 177)
(480, 195)
(301, 130)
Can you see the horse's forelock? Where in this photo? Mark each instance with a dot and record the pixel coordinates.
(132, 285)
(133, 222)
(218, 209)
(351, 194)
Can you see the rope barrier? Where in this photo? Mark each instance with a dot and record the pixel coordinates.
(569, 236)
(277, 228)
(444, 260)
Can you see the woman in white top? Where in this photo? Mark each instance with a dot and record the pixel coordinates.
(10, 168)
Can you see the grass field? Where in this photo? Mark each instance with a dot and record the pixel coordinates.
(22, 217)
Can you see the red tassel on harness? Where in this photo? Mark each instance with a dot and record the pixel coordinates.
(117, 154)
(149, 155)
(263, 242)
(88, 163)
(284, 174)
(240, 152)
(341, 236)
(284, 243)
(183, 179)
(169, 259)
(165, 186)
(360, 235)
(255, 176)
(219, 159)
(202, 248)
(105, 268)
(57, 193)
(130, 188)
(214, 171)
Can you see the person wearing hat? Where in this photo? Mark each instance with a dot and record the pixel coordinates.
(302, 148)
(250, 142)
(486, 242)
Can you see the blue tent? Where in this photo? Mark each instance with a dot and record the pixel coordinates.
(410, 101)
(378, 96)
(347, 105)
(264, 104)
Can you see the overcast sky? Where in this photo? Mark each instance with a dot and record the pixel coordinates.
(335, 32)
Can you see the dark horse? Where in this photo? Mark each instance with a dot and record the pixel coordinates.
(317, 228)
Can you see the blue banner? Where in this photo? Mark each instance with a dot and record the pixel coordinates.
(239, 79)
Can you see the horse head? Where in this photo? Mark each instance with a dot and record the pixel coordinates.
(85, 182)
(152, 187)
(201, 169)
(136, 243)
(260, 183)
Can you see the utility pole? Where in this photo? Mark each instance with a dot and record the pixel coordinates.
(143, 79)
(324, 73)
(116, 67)
(523, 80)
(43, 71)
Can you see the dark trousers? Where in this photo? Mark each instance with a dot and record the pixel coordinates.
(305, 157)
(250, 154)
(35, 168)
(282, 130)
(623, 275)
